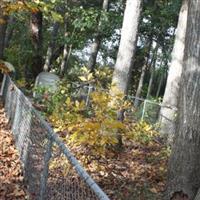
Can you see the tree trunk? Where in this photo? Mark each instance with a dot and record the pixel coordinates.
(170, 99)
(97, 41)
(51, 47)
(37, 41)
(140, 85)
(184, 165)
(152, 71)
(3, 28)
(122, 71)
(127, 47)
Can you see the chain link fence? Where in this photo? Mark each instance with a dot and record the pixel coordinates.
(145, 110)
(50, 170)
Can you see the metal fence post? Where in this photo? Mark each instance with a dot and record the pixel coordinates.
(143, 111)
(45, 172)
(3, 85)
(88, 95)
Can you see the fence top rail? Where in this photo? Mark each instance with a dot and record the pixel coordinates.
(89, 87)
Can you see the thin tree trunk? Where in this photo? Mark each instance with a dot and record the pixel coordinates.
(64, 60)
(170, 99)
(95, 46)
(184, 164)
(152, 70)
(141, 82)
(69, 54)
(150, 81)
(51, 47)
(65, 54)
(3, 28)
(160, 85)
(140, 85)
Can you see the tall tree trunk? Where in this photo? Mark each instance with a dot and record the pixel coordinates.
(3, 27)
(36, 24)
(127, 47)
(51, 46)
(170, 99)
(152, 71)
(95, 46)
(141, 82)
(184, 165)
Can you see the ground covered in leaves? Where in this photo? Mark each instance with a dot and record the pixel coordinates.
(137, 173)
(11, 180)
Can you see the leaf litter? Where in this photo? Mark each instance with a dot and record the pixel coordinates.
(11, 178)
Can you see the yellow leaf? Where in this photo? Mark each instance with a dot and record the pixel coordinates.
(84, 69)
(90, 76)
(82, 78)
(154, 190)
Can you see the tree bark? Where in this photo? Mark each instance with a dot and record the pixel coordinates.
(95, 46)
(127, 47)
(184, 164)
(170, 99)
(51, 47)
(198, 195)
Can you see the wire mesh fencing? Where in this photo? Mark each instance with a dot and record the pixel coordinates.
(145, 110)
(51, 172)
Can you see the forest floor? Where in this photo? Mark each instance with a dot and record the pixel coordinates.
(137, 173)
(11, 179)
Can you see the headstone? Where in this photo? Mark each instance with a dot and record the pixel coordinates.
(46, 80)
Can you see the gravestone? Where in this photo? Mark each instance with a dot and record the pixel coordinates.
(46, 80)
